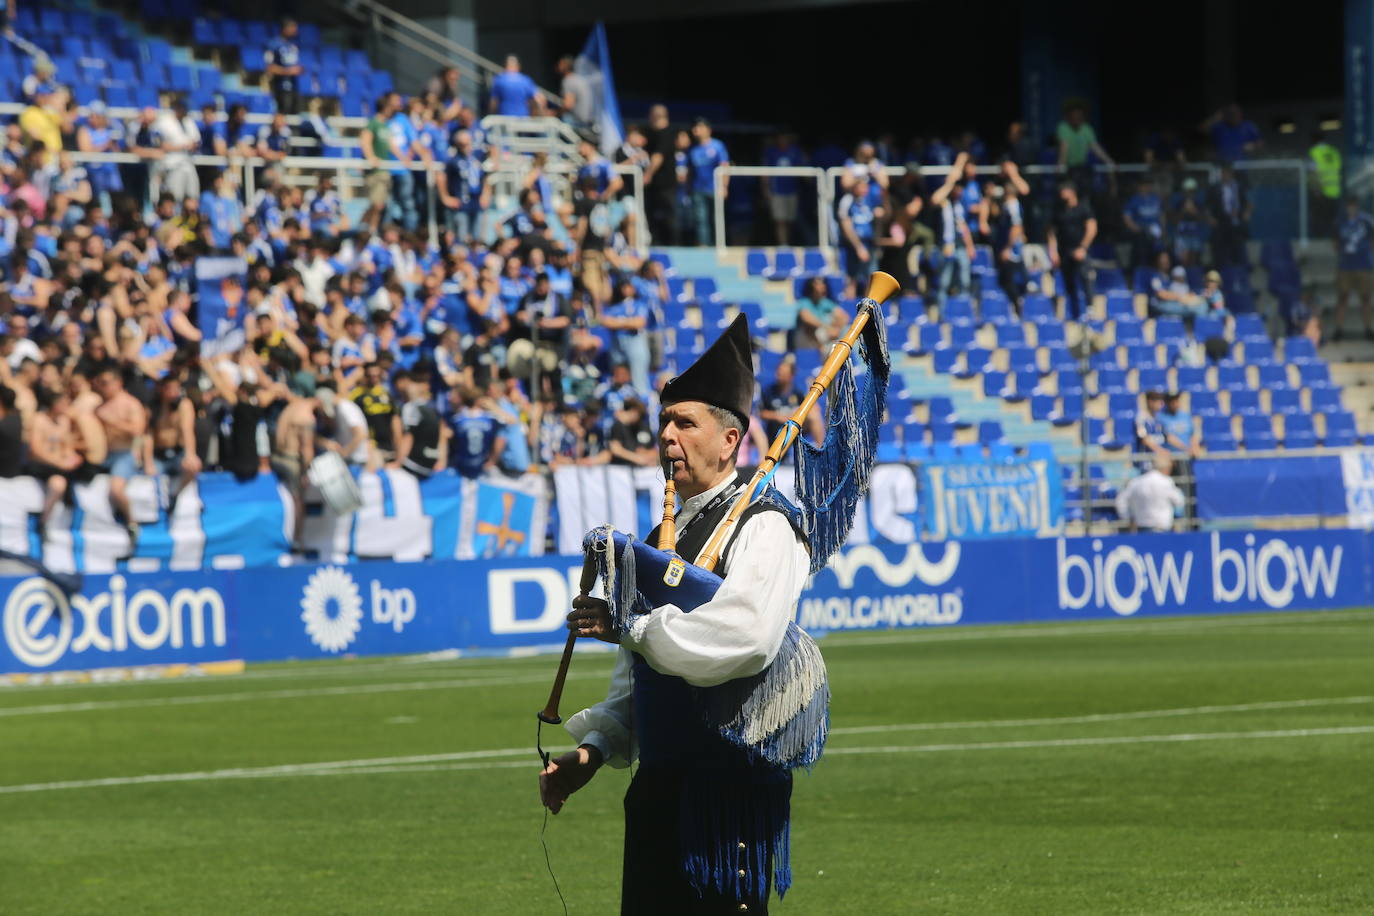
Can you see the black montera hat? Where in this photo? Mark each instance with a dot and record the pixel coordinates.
(723, 376)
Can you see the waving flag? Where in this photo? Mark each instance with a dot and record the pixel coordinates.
(594, 66)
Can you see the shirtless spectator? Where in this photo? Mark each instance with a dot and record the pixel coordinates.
(172, 445)
(293, 448)
(88, 432)
(125, 420)
(52, 454)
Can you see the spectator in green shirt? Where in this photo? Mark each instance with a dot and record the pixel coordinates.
(377, 151)
(1076, 139)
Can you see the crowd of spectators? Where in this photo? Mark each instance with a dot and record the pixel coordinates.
(506, 341)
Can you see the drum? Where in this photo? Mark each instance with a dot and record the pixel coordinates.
(330, 474)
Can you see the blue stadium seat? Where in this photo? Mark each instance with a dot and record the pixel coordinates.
(1217, 435)
(704, 290)
(962, 336)
(1142, 355)
(1070, 412)
(1050, 333)
(889, 452)
(990, 431)
(976, 359)
(784, 265)
(1286, 401)
(916, 451)
(1027, 382)
(1258, 432)
(1022, 359)
(1122, 405)
(1204, 403)
(1152, 379)
(1109, 280)
(1011, 335)
(1070, 382)
(1129, 331)
(945, 359)
(943, 431)
(1326, 400)
(928, 337)
(941, 409)
(958, 310)
(1057, 357)
(1111, 381)
(1340, 429)
(1245, 401)
(1274, 376)
(1259, 352)
(1042, 406)
(1170, 331)
(913, 431)
(1106, 359)
(944, 452)
(995, 384)
(1120, 303)
(1209, 326)
(1315, 375)
(1299, 350)
(756, 262)
(1039, 309)
(1232, 377)
(995, 309)
(1299, 431)
(1191, 378)
(813, 261)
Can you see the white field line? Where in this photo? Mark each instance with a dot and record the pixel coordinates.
(288, 769)
(1295, 620)
(302, 692)
(1123, 739)
(473, 760)
(1105, 716)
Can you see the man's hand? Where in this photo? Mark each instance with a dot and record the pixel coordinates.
(1080, 253)
(566, 774)
(592, 617)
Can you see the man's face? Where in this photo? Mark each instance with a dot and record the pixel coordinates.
(374, 375)
(695, 442)
(1154, 404)
(289, 30)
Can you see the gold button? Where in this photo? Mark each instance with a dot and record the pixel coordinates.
(742, 847)
(743, 873)
(744, 907)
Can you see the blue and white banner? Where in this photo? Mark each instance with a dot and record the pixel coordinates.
(384, 608)
(1357, 473)
(223, 523)
(1020, 498)
(594, 66)
(219, 295)
(631, 500)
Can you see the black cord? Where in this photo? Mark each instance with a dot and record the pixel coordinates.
(548, 863)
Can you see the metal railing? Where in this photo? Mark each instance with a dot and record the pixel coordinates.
(384, 22)
(1094, 511)
(828, 182)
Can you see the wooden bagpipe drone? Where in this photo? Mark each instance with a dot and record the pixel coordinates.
(779, 715)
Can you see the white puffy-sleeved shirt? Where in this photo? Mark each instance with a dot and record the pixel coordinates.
(735, 634)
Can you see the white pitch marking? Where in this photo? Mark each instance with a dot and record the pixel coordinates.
(473, 760)
(1124, 739)
(196, 699)
(1105, 716)
(288, 769)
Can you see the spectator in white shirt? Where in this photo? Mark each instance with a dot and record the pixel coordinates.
(180, 137)
(1148, 502)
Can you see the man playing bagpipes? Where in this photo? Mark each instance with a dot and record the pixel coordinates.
(716, 691)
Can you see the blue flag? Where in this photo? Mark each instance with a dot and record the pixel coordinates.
(594, 66)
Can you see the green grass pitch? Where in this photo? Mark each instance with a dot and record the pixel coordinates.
(1205, 765)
